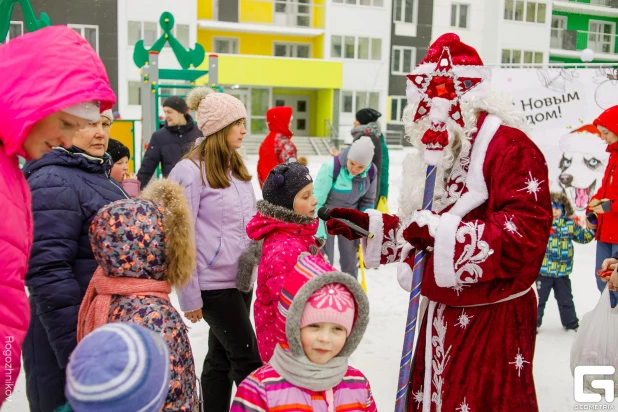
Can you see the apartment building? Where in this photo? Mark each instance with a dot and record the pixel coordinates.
(584, 24)
(139, 20)
(96, 22)
(325, 58)
(503, 31)
(411, 34)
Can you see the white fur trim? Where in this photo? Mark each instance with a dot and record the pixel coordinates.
(404, 271)
(433, 157)
(426, 218)
(475, 181)
(372, 248)
(439, 109)
(444, 251)
(583, 142)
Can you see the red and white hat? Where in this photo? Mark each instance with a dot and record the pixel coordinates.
(465, 61)
(586, 139)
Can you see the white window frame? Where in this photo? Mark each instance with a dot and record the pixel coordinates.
(159, 31)
(14, 22)
(358, 3)
(343, 45)
(402, 70)
(292, 49)
(612, 34)
(292, 10)
(139, 91)
(81, 27)
(458, 14)
(234, 39)
(525, 15)
(355, 97)
(402, 100)
(521, 63)
(403, 12)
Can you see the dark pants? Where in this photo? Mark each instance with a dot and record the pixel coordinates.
(348, 250)
(605, 251)
(45, 379)
(232, 348)
(562, 293)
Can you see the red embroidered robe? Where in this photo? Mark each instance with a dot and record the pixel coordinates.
(489, 245)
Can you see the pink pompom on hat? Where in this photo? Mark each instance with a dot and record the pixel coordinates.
(215, 111)
(331, 303)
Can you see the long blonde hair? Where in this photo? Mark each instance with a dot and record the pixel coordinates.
(214, 158)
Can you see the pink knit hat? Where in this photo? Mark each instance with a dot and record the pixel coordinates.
(331, 303)
(215, 111)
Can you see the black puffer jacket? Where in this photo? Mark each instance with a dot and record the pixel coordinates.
(68, 188)
(167, 146)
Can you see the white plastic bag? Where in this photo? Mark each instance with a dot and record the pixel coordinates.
(596, 343)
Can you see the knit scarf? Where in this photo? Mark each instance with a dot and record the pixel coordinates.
(371, 129)
(301, 372)
(94, 310)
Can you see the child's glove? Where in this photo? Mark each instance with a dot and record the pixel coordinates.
(422, 230)
(335, 227)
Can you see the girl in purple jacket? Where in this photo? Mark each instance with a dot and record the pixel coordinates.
(218, 188)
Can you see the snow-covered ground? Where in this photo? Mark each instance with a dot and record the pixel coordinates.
(379, 353)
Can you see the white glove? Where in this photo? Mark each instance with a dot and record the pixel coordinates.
(404, 271)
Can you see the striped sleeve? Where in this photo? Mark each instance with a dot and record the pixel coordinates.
(250, 396)
(371, 404)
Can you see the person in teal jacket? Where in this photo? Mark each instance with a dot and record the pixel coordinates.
(349, 180)
(558, 261)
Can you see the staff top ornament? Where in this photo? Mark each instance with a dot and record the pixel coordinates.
(450, 71)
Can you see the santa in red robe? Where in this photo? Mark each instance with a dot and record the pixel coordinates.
(485, 237)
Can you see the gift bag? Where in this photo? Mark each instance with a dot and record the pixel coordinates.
(382, 205)
(596, 343)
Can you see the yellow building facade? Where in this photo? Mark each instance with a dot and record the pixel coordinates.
(270, 53)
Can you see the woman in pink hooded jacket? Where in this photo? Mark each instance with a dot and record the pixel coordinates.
(286, 223)
(52, 85)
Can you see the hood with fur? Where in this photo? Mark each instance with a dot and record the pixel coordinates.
(150, 237)
(310, 274)
(562, 199)
(270, 218)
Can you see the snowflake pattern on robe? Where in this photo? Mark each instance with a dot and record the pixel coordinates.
(519, 362)
(510, 226)
(464, 319)
(533, 185)
(464, 407)
(418, 396)
(393, 242)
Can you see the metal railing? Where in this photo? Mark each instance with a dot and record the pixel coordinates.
(604, 3)
(576, 40)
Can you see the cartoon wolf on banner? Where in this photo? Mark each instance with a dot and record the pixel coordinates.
(582, 165)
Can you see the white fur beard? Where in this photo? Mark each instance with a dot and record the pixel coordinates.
(414, 169)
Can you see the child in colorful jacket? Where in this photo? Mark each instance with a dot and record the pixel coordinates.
(144, 246)
(321, 320)
(285, 222)
(348, 181)
(558, 261)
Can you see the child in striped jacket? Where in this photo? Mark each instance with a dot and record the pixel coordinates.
(321, 320)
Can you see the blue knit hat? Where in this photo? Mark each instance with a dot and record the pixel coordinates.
(119, 367)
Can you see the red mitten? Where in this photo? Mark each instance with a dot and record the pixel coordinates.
(422, 229)
(335, 227)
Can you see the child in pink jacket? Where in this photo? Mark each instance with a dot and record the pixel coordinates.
(286, 221)
(321, 320)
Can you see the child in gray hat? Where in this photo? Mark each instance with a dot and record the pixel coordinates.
(348, 180)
